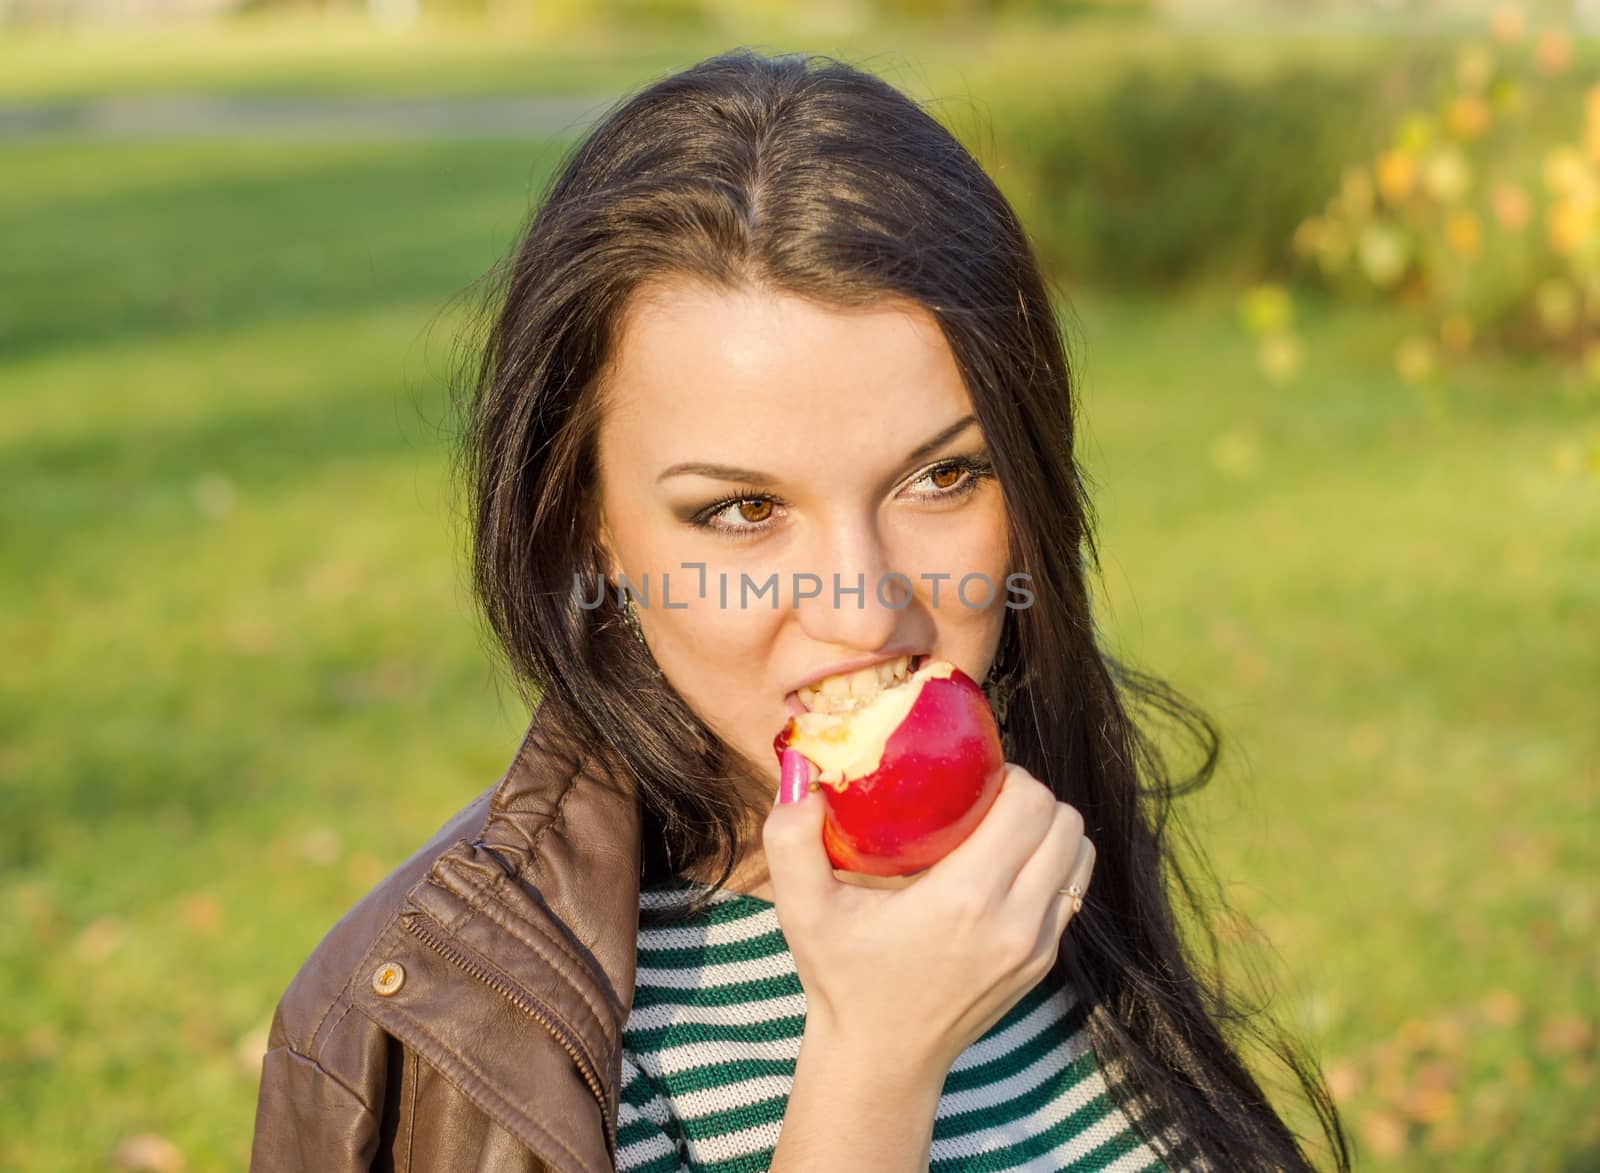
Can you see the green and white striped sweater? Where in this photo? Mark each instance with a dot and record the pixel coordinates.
(711, 1042)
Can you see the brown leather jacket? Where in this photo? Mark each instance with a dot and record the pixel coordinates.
(467, 1013)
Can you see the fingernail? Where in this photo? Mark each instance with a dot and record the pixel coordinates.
(795, 776)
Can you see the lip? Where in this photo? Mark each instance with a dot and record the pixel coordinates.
(793, 698)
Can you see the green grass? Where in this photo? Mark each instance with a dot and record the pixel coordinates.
(324, 52)
(1391, 609)
(568, 49)
(244, 678)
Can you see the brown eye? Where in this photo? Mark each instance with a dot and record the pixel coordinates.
(763, 509)
(951, 471)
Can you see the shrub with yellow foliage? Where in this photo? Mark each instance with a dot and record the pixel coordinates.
(1481, 212)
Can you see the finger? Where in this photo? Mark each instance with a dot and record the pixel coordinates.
(797, 862)
(868, 880)
(994, 851)
(1050, 867)
(1063, 904)
(1076, 890)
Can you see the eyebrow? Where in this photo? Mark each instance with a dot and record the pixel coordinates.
(727, 472)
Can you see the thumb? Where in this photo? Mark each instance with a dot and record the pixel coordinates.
(797, 863)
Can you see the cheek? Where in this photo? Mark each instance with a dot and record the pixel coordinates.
(978, 546)
(995, 534)
(717, 660)
(714, 651)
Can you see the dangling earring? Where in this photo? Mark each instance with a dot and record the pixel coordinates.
(998, 691)
(1000, 684)
(630, 616)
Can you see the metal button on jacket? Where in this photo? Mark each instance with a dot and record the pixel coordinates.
(388, 977)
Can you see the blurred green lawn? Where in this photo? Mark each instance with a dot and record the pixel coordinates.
(244, 679)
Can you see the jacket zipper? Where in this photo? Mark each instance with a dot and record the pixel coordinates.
(517, 998)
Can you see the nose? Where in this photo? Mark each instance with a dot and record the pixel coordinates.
(863, 601)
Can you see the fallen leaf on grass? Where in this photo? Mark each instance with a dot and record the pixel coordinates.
(148, 1153)
(1344, 1080)
(100, 939)
(1564, 1034)
(251, 1048)
(1501, 1008)
(1385, 1132)
(201, 912)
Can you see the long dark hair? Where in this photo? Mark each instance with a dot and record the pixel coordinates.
(808, 175)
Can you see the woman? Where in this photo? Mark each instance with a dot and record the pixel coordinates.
(771, 321)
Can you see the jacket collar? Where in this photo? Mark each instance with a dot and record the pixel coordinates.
(527, 933)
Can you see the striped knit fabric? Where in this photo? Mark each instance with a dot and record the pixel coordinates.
(711, 1042)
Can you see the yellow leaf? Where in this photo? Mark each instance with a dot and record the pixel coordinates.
(1474, 65)
(1333, 251)
(1384, 1132)
(1501, 1008)
(1564, 1033)
(148, 1152)
(1511, 206)
(1445, 175)
(1356, 195)
(1344, 1080)
(1463, 233)
(1280, 356)
(1507, 22)
(1384, 253)
(1266, 308)
(1415, 133)
(1414, 359)
(1396, 173)
(1565, 170)
(1468, 117)
(1553, 53)
(1430, 1105)
(1308, 236)
(1456, 332)
(1570, 223)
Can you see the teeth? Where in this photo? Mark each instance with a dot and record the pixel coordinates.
(864, 682)
(852, 690)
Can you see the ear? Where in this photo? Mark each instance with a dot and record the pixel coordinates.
(610, 566)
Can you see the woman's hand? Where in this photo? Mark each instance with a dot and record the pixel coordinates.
(922, 972)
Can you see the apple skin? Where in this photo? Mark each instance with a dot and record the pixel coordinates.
(941, 770)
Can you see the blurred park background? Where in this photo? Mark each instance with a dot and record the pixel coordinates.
(1331, 275)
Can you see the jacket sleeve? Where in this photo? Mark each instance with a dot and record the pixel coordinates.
(307, 1121)
(649, 1140)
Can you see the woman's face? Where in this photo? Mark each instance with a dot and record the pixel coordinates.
(770, 438)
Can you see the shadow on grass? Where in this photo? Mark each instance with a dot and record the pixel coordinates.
(209, 236)
(1586, 1161)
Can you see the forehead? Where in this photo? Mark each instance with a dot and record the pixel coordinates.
(704, 373)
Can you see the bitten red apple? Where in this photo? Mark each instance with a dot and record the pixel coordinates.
(909, 762)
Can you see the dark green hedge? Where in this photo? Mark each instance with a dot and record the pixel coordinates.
(1167, 173)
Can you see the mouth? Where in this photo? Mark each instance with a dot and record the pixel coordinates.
(846, 692)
